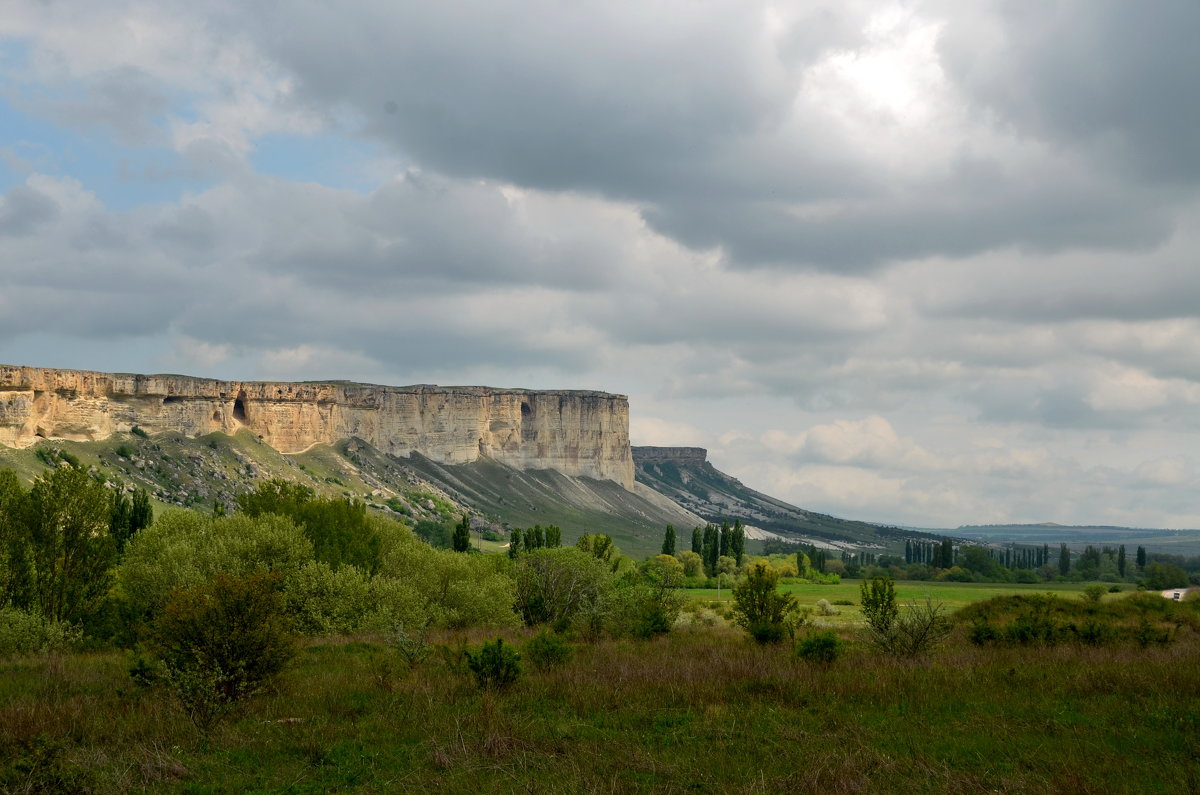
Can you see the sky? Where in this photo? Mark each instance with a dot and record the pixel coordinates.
(923, 263)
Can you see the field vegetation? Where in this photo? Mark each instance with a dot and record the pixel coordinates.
(301, 643)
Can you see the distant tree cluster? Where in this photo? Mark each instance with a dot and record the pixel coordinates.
(536, 537)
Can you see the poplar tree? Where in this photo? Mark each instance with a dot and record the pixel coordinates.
(514, 542)
(1064, 559)
(738, 545)
(668, 547)
(697, 542)
(1141, 557)
(462, 535)
(725, 539)
(1121, 560)
(712, 548)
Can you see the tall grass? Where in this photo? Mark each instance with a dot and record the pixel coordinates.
(701, 709)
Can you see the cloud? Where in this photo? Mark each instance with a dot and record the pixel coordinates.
(920, 262)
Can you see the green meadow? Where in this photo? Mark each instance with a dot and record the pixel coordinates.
(701, 709)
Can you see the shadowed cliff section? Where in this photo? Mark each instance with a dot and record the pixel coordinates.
(685, 476)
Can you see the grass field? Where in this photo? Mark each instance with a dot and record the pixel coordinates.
(952, 595)
(699, 710)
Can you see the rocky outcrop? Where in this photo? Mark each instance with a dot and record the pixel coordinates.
(682, 455)
(577, 433)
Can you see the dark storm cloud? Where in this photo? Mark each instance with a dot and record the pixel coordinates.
(695, 117)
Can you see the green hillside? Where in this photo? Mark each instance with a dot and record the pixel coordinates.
(207, 474)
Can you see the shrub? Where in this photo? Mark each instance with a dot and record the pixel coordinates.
(1094, 592)
(819, 648)
(824, 608)
(759, 609)
(495, 666)
(547, 650)
(879, 606)
(22, 632)
(554, 586)
(844, 602)
(41, 765)
(137, 431)
(221, 642)
(912, 632)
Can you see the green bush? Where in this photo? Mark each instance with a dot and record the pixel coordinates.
(819, 648)
(759, 609)
(40, 765)
(221, 642)
(547, 650)
(22, 632)
(1094, 592)
(495, 666)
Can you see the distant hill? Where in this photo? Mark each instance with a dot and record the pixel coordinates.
(685, 475)
(1180, 542)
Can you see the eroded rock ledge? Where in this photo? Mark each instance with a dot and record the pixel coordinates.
(578, 433)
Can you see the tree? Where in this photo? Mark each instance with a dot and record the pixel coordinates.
(1121, 561)
(339, 528)
(1064, 559)
(1161, 576)
(737, 546)
(1141, 557)
(759, 608)
(72, 549)
(668, 545)
(514, 542)
(697, 542)
(726, 537)
(127, 516)
(712, 548)
(462, 535)
(553, 536)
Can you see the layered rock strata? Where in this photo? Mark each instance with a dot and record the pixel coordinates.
(578, 433)
(682, 455)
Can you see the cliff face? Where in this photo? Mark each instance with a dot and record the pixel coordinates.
(681, 455)
(577, 433)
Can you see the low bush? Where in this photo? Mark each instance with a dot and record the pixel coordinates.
(495, 666)
(824, 608)
(22, 632)
(819, 648)
(547, 650)
(221, 642)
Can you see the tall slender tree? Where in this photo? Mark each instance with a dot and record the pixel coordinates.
(514, 542)
(462, 535)
(1121, 560)
(1141, 557)
(697, 542)
(738, 546)
(668, 547)
(1064, 559)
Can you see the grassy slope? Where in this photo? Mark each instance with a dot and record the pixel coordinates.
(700, 710)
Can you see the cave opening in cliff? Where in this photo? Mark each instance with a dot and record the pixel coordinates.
(239, 407)
(525, 409)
